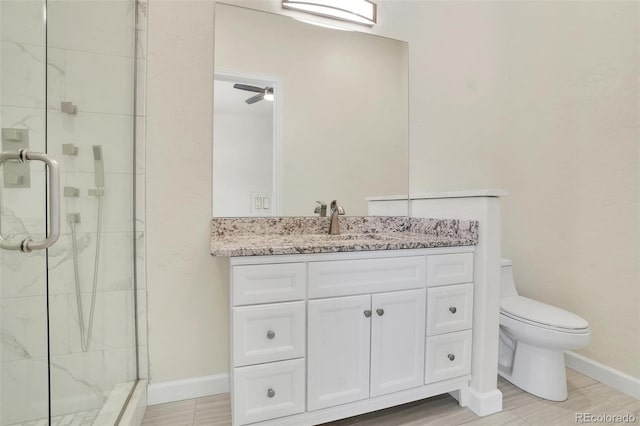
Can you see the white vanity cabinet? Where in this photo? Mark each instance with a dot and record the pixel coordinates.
(319, 337)
(362, 346)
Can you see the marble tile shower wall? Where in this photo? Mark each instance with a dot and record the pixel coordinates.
(90, 62)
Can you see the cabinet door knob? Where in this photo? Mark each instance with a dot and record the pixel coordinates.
(451, 357)
(271, 393)
(453, 310)
(367, 313)
(380, 312)
(270, 334)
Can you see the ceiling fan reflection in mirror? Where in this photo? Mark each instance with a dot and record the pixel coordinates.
(262, 93)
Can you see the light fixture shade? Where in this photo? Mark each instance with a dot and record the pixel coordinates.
(268, 94)
(357, 11)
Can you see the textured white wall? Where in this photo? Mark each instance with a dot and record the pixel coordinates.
(542, 99)
(569, 143)
(187, 295)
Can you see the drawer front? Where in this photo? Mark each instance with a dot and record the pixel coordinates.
(444, 269)
(281, 282)
(267, 391)
(265, 333)
(349, 277)
(449, 308)
(448, 356)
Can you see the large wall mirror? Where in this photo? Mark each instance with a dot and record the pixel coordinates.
(304, 114)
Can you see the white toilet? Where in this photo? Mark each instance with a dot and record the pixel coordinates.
(533, 338)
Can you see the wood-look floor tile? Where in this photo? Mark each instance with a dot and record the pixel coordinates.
(437, 410)
(634, 408)
(162, 409)
(213, 410)
(544, 412)
(443, 410)
(373, 417)
(212, 422)
(503, 418)
(169, 420)
(179, 413)
(576, 380)
(513, 396)
(615, 396)
(580, 400)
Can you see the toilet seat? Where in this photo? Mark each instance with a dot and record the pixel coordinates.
(542, 315)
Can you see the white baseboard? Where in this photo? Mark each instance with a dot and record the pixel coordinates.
(177, 390)
(609, 376)
(481, 403)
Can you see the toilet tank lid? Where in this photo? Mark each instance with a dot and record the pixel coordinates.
(532, 310)
(505, 262)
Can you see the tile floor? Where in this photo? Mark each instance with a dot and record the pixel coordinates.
(519, 408)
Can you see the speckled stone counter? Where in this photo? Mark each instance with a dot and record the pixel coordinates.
(302, 235)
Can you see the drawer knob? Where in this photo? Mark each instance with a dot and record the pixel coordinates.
(453, 310)
(271, 393)
(270, 334)
(451, 357)
(367, 313)
(380, 312)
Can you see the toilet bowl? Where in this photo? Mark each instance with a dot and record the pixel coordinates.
(533, 338)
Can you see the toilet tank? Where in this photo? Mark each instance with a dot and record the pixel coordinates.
(507, 283)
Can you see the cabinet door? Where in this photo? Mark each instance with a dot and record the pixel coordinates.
(338, 351)
(397, 341)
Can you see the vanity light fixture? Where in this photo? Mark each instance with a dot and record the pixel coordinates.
(322, 24)
(362, 12)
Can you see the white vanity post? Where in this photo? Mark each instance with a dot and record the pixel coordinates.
(482, 396)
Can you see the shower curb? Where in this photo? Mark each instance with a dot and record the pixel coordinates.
(136, 407)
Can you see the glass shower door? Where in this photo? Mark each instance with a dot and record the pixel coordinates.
(68, 347)
(24, 384)
(90, 129)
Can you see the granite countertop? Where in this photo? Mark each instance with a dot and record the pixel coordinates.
(302, 235)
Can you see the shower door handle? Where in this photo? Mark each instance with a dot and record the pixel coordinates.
(28, 245)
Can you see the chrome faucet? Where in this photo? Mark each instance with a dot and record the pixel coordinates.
(321, 209)
(334, 224)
